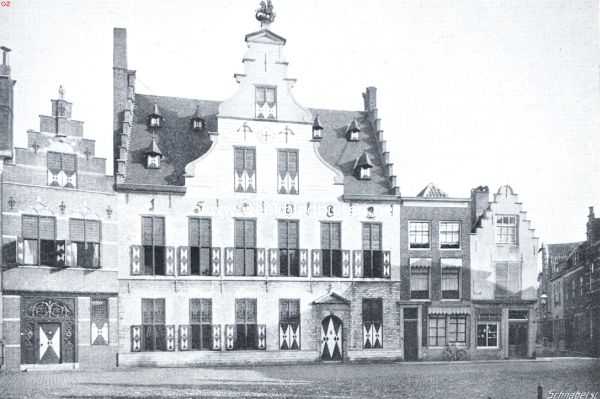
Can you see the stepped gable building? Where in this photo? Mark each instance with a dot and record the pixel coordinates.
(59, 273)
(256, 230)
(435, 297)
(504, 275)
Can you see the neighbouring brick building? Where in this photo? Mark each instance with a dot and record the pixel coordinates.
(59, 274)
(435, 273)
(572, 321)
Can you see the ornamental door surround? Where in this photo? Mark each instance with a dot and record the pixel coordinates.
(48, 328)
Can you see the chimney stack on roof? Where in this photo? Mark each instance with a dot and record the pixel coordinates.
(480, 200)
(5, 67)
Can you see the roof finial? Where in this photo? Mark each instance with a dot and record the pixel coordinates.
(61, 92)
(265, 13)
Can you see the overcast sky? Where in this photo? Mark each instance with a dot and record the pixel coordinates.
(470, 93)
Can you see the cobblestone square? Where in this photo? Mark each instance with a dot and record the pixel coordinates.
(496, 380)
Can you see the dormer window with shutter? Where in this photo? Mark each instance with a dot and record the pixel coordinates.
(155, 118)
(317, 129)
(362, 167)
(197, 121)
(153, 156)
(266, 102)
(62, 169)
(353, 130)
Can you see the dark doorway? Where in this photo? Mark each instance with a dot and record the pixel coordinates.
(411, 341)
(517, 339)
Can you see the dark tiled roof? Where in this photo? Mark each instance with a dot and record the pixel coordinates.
(341, 153)
(180, 144)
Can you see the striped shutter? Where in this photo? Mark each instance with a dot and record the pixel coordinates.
(229, 336)
(260, 262)
(303, 263)
(316, 262)
(170, 338)
(358, 263)
(216, 337)
(273, 262)
(60, 254)
(20, 250)
(184, 337)
(69, 258)
(136, 338)
(346, 262)
(184, 261)
(262, 336)
(229, 261)
(216, 261)
(170, 270)
(387, 264)
(137, 259)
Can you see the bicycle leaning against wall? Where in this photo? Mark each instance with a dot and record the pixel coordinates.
(453, 352)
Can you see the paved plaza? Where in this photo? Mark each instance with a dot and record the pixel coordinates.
(508, 379)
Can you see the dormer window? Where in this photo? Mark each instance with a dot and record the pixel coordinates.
(353, 130)
(197, 121)
(153, 156)
(155, 118)
(362, 167)
(266, 102)
(317, 129)
(365, 173)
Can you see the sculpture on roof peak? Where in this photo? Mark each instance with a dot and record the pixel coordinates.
(265, 13)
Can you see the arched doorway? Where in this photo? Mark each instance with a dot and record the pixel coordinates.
(331, 338)
(47, 330)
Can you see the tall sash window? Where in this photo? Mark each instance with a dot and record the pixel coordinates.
(245, 324)
(153, 325)
(289, 324)
(372, 254)
(372, 313)
(153, 241)
(85, 238)
(288, 248)
(331, 244)
(201, 323)
(39, 240)
(245, 247)
(200, 246)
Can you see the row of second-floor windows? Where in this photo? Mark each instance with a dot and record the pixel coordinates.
(420, 282)
(245, 171)
(245, 248)
(62, 169)
(419, 235)
(449, 233)
(244, 333)
(38, 243)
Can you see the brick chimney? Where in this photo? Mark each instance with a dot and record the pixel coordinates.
(480, 200)
(123, 102)
(6, 107)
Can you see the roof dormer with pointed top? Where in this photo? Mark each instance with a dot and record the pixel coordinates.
(432, 191)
